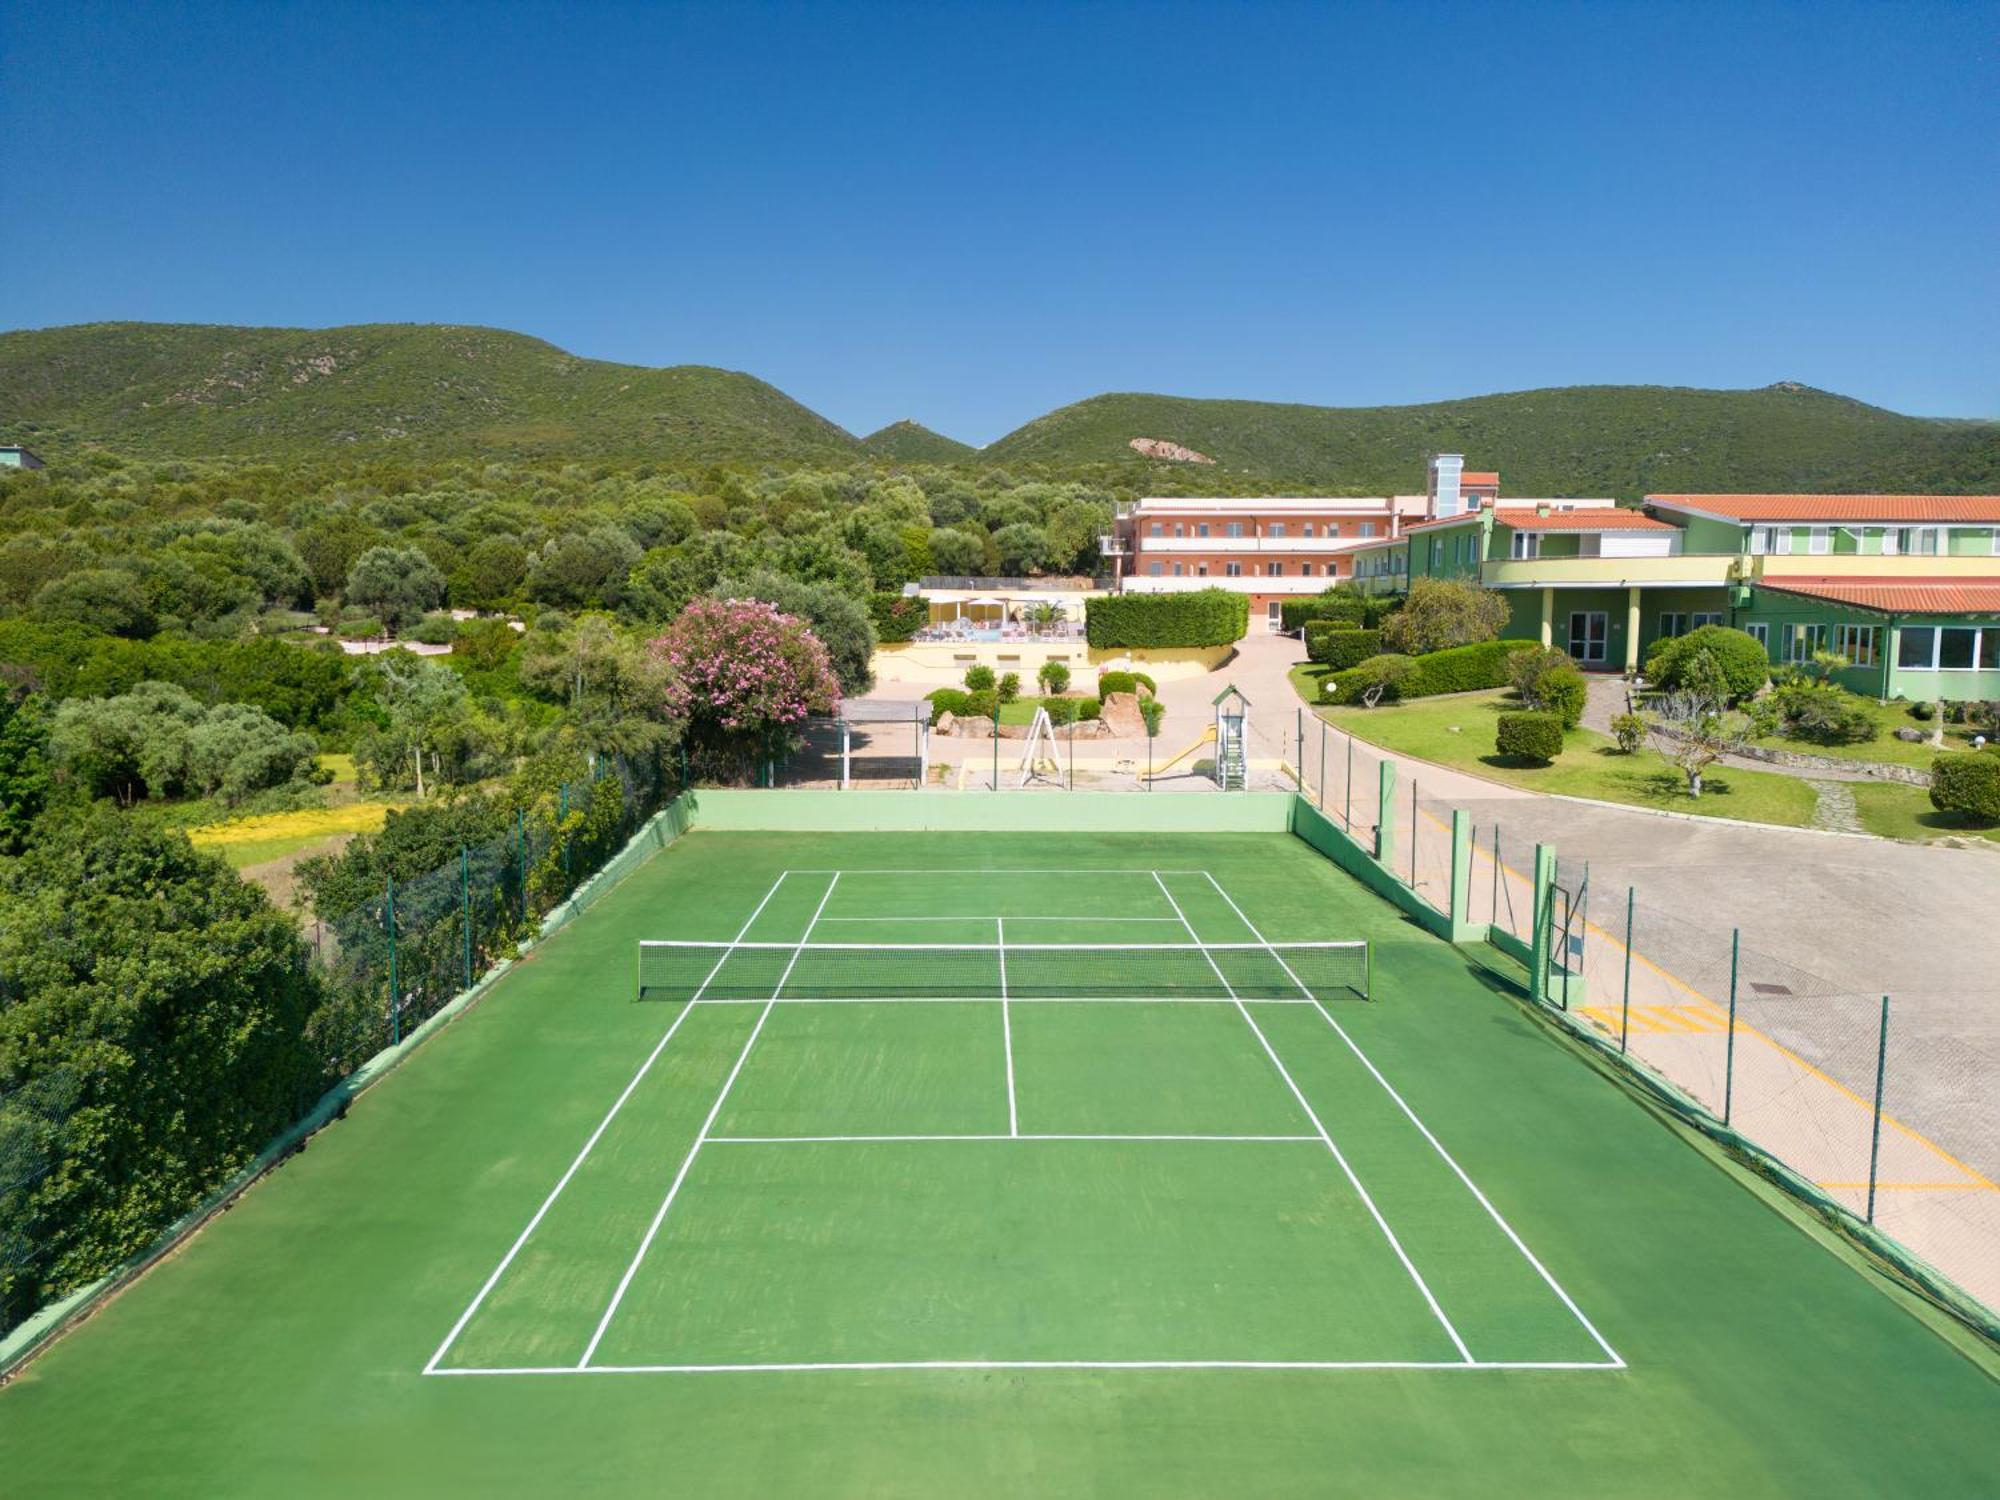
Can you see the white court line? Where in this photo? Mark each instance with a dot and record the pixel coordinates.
(1383, 1224)
(602, 1125)
(904, 917)
(1039, 1364)
(820, 1140)
(1007, 1029)
(653, 1229)
(1437, 1146)
(1011, 1000)
(937, 870)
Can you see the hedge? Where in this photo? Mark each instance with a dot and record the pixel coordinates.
(1742, 659)
(1460, 669)
(1340, 645)
(1530, 736)
(1203, 617)
(1115, 681)
(898, 617)
(1968, 785)
(1296, 614)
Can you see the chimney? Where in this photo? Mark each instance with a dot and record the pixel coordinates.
(1445, 469)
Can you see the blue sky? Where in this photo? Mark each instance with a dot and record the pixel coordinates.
(972, 214)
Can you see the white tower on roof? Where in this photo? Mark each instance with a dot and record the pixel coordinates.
(1445, 472)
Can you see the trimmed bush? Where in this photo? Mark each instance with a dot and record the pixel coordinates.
(1817, 712)
(1563, 692)
(1741, 658)
(1462, 669)
(1090, 708)
(1630, 730)
(1529, 736)
(983, 703)
(1116, 681)
(947, 701)
(898, 617)
(1968, 785)
(1924, 712)
(1010, 686)
(1201, 617)
(1061, 710)
(1334, 604)
(1341, 645)
(980, 679)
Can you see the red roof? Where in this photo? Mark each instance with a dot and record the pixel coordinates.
(1480, 477)
(1899, 596)
(1604, 518)
(1891, 508)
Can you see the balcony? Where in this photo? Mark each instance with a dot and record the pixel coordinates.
(1250, 545)
(1145, 584)
(1776, 565)
(1693, 570)
(1113, 546)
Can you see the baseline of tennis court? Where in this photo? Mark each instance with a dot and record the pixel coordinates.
(1062, 1118)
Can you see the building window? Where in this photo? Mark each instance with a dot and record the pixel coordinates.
(1179, 530)
(1275, 528)
(1922, 540)
(1760, 632)
(1819, 540)
(1672, 623)
(1801, 641)
(1158, 529)
(1367, 530)
(1235, 529)
(1276, 570)
(1232, 570)
(1916, 647)
(1856, 643)
(1153, 570)
(1177, 570)
(1958, 649)
(1201, 570)
(1703, 617)
(1305, 570)
(1306, 530)
(1333, 529)
(1527, 544)
(1201, 529)
(1760, 540)
(1781, 540)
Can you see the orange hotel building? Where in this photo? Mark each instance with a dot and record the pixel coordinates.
(1273, 548)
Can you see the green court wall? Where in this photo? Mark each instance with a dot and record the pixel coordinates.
(994, 812)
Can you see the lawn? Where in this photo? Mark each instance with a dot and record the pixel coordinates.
(268, 836)
(1022, 710)
(1457, 731)
(1885, 747)
(1891, 810)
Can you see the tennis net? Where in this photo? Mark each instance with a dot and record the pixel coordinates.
(1011, 971)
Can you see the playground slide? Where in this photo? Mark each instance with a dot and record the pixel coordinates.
(1207, 738)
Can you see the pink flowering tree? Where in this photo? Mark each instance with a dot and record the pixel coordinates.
(743, 677)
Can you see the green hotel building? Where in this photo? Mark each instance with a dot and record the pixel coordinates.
(1906, 587)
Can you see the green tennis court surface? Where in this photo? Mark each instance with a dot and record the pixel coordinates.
(976, 1163)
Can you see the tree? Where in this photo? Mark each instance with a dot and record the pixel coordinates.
(396, 584)
(165, 996)
(24, 765)
(843, 625)
(743, 679)
(1441, 613)
(107, 599)
(958, 554)
(583, 568)
(1688, 726)
(329, 546)
(1054, 677)
(1023, 548)
(158, 741)
(490, 574)
(426, 702)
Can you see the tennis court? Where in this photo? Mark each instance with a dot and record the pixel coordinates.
(928, 1163)
(930, 1121)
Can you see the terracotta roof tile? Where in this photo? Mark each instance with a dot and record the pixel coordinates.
(1480, 477)
(1620, 519)
(1900, 596)
(1887, 508)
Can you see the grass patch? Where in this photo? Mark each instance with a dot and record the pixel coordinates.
(342, 767)
(1885, 748)
(1022, 710)
(1458, 732)
(253, 841)
(1891, 810)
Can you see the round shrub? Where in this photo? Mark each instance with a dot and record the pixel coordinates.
(1061, 710)
(1010, 686)
(948, 701)
(984, 703)
(1529, 736)
(1089, 708)
(1742, 660)
(1923, 712)
(1630, 730)
(1968, 785)
(1054, 677)
(978, 679)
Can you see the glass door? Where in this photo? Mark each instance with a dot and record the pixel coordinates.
(1589, 631)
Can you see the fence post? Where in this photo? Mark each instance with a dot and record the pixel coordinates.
(1625, 1005)
(1493, 918)
(1322, 765)
(1875, 1133)
(684, 766)
(1544, 898)
(1299, 723)
(996, 748)
(395, 995)
(1072, 755)
(1416, 834)
(1347, 811)
(1461, 876)
(521, 857)
(1729, 1047)
(465, 907)
(1385, 813)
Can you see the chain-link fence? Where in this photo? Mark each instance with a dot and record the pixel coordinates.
(1898, 1131)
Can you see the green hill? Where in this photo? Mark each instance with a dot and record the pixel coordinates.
(1575, 440)
(196, 390)
(913, 443)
